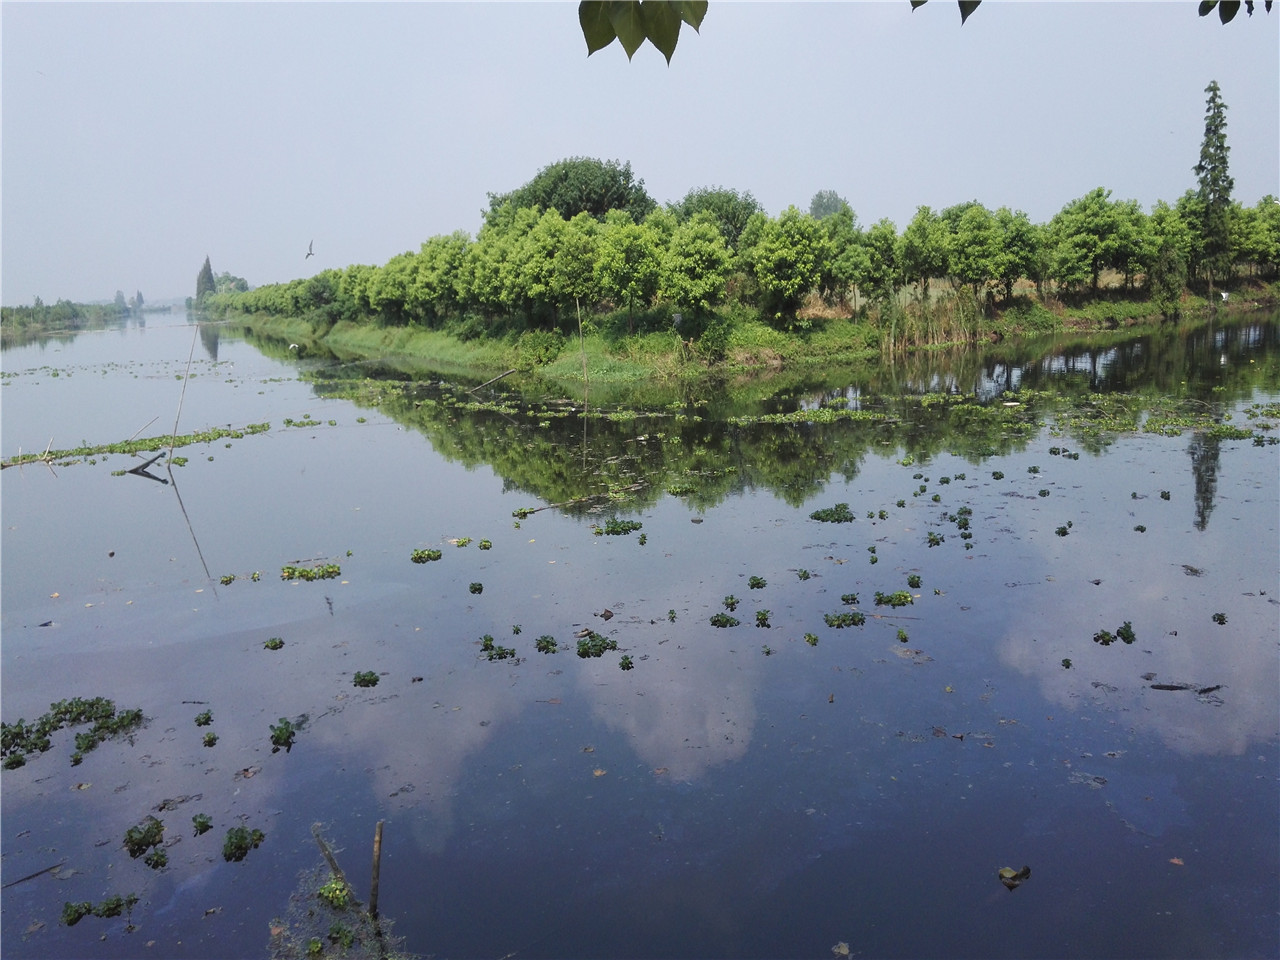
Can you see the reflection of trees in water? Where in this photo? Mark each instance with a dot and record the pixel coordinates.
(924, 404)
(1205, 452)
(209, 339)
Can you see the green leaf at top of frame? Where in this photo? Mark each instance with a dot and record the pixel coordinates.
(967, 7)
(661, 24)
(597, 29)
(628, 23)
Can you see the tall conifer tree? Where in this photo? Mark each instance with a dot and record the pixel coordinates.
(1216, 184)
(204, 281)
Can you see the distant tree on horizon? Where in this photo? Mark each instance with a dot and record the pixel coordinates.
(205, 283)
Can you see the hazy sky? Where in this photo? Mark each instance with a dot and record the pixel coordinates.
(137, 138)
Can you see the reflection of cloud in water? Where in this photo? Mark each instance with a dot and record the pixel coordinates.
(687, 712)
(1242, 661)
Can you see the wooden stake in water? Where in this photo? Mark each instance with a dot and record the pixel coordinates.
(182, 396)
(377, 870)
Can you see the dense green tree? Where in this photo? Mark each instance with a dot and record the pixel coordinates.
(1255, 237)
(1167, 250)
(882, 275)
(628, 262)
(695, 265)
(846, 262)
(1215, 184)
(579, 185)
(226, 283)
(122, 305)
(787, 259)
(436, 288)
(974, 247)
(1019, 254)
(204, 281)
(826, 203)
(923, 249)
(1088, 236)
(731, 209)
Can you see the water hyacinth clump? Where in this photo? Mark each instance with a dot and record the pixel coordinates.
(840, 513)
(425, 556)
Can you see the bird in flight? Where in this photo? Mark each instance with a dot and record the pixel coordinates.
(310, 252)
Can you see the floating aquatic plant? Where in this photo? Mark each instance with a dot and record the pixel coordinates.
(625, 663)
(899, 598)
(325, 571)
(229, 579)
(282, 736)
(595, 645)
(757, 583)
(1220, 619)
(239, 841)
(274, 643)
(1044, 493)
(202, 822)
(914, 581)
(997, 475)
(204, 719)
(731, 603)
(1104, 637)
(545, 644)
(642, 539)
(462, 541)
(850, 598)
(1066, 663)
(845, 618)
(671, 615)
(935, 539)
(485, 544)
(143, 837)
(840, 513)
(724, 620)
(364, 678)
(425, 556)
(1125, 632)
(803, 574)
(614, 527)
(762, 618)
(156, 859)
(210, 739)
(1140, 528)
(902, 635)
(18, 740)
(811, 639)
(1164, 494)
(73, 913)
(476, 588)
(1062, 531)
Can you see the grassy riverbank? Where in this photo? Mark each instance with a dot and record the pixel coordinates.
(731, 344)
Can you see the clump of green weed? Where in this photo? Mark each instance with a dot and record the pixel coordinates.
(850, 598)
(902, 635)
(364, 678)
(899, 598)
(486, 544)
(1220, 619)
(202, 822)
(811, 639)
(143, 837)
(936, 539)
(326, 571)
(239, 841)
(204, 719)
(997, 475)
(914, 581)
(595, 645)
(803, 574)
(282, 736)
(210, 739)
(425, 556)
(614, 527)
(625, 663)
(840, 513)
(762, 618)
(20, 739)
(757, 583)
(723, 620)
(731, 603)
(476, 588)
(274, 643)
(335, 893)
(545, 644)
(845, 618)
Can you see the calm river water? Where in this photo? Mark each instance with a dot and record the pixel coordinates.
(1080, 675)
